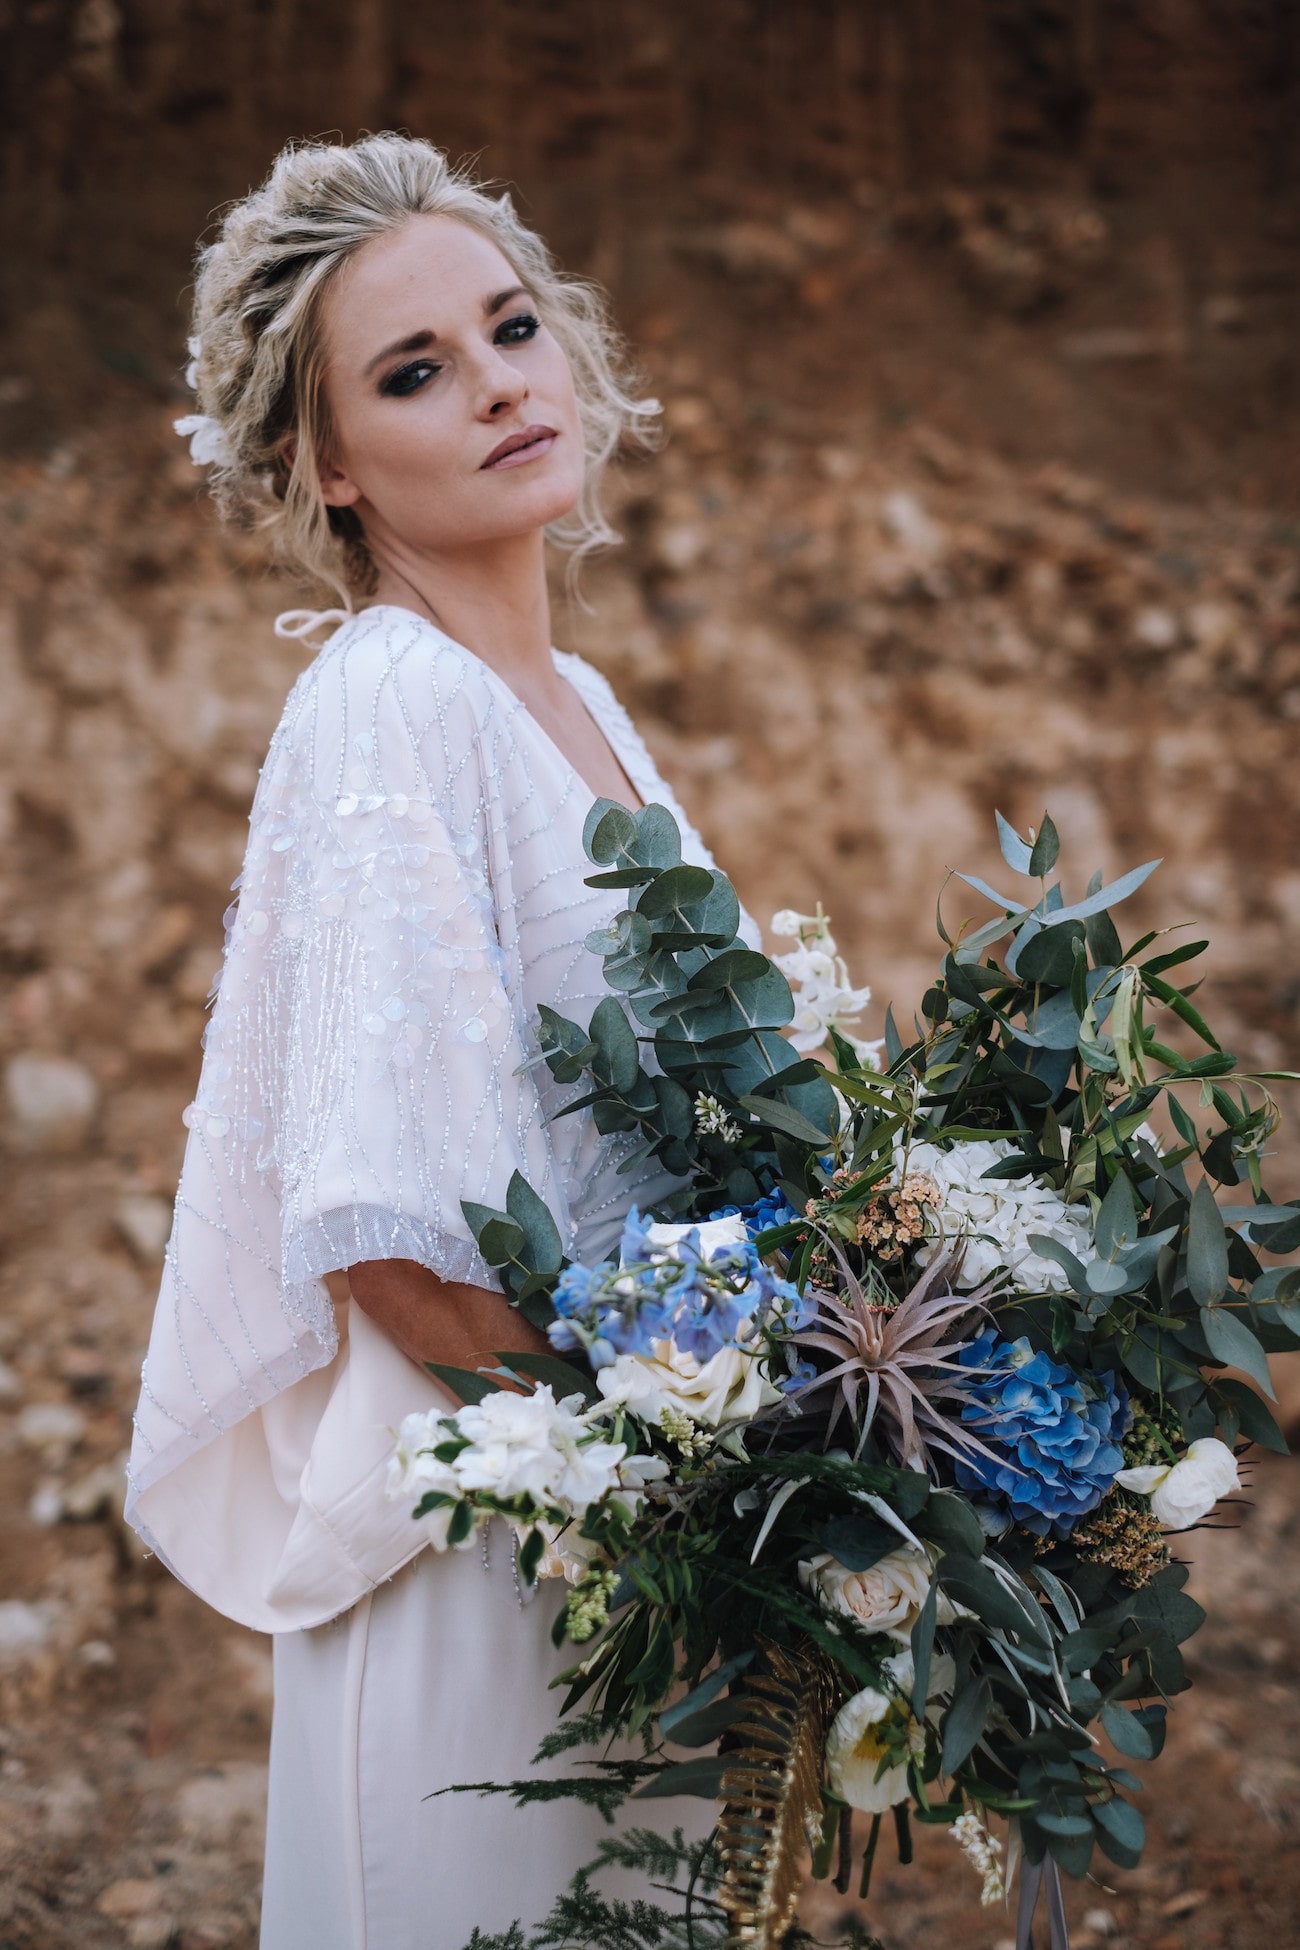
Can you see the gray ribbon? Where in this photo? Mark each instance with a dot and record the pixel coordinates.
(1032, 1876)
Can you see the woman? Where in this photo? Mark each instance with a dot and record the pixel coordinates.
(398, 381)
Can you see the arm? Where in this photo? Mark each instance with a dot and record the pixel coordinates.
(431, 1319)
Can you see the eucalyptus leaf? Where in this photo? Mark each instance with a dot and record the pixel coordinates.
(1256, 1422)
(1207, 1248)
(1016, 852)
(1232, 1342)
(964, 1722)
(533, 1215)
(1127, 1734)
(1121, 1831)
(1047, 849)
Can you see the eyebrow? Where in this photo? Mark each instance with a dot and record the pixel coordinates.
(420, 341)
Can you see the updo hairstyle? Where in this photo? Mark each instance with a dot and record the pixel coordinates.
(258, 362)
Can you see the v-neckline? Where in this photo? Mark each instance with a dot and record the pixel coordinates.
(617, 752)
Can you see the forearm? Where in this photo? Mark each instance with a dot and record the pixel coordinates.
(432, 1319)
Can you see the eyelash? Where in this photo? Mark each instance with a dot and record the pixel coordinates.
(392, 387)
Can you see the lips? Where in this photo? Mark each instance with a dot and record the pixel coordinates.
(515, 442)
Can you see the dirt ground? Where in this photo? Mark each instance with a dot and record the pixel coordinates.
(969, 501)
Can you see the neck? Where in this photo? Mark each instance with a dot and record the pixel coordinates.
(492, 598)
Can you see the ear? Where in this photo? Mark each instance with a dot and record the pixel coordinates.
(337, 489)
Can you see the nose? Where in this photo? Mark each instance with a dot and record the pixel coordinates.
(501, 384)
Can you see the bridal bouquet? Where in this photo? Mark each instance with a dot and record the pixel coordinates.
(863, 1457)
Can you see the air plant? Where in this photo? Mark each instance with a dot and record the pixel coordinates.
(895, 1361)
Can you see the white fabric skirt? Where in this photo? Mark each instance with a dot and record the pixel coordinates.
(436, 1677)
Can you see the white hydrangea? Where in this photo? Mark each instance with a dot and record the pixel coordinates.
(824, 998)
(996, 1216)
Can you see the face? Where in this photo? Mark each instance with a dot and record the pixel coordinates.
(434, 354)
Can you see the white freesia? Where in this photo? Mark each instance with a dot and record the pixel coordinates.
(516, 1446)
(532, 1445)
(887, 1597)
(728, 1388)
(824, 997)
(857, 1740)
(412, 1470)
(207, 438)
(568, 1554)
(1185, 1491)
(996, 1216)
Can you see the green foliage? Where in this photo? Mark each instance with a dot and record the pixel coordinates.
(1040, 1028)
(688, 1917)
(711, 1007)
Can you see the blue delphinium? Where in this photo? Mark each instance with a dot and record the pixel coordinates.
(1056, 1435)
(654, 1292)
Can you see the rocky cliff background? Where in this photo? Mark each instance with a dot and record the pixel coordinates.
(977, 327)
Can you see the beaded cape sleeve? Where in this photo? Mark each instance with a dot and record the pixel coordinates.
(364, 1069)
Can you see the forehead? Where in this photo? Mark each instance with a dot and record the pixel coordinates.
(430, 274)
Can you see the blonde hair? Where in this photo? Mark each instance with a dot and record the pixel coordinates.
(258, 363)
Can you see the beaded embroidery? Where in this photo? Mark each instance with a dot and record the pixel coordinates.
(412, 889)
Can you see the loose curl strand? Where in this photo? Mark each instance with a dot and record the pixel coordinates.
(258, 367)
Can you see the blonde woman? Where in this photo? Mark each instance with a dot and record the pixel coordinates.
(397, 381)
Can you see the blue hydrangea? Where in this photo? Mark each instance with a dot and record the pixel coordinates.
(651, 1294)
(772, 1209)
(1055, 1433)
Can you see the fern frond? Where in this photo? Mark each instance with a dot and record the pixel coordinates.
(772, 1791)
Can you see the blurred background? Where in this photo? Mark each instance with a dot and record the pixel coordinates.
(978, 327)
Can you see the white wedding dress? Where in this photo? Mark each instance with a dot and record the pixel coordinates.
(413, 888)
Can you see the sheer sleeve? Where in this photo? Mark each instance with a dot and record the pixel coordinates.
(403, 1086)
(364, 1069)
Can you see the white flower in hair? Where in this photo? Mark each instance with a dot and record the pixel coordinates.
(207, 438)
(195, 349)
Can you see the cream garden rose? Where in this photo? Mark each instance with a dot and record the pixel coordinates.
(729, 1387)
(887, 1597)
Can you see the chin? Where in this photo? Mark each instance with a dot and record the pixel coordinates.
(545, 502)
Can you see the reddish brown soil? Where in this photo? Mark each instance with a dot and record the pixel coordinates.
(981, 491)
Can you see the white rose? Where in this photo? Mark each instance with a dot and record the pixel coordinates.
(566, 1556)
(887, 1597)
(714, 1234)
(729, 1387)
(1183, 1492)
(856, 1744)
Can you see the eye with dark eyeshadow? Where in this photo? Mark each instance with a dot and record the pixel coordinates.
(527, 319)
(412, 377)
(408, 379)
